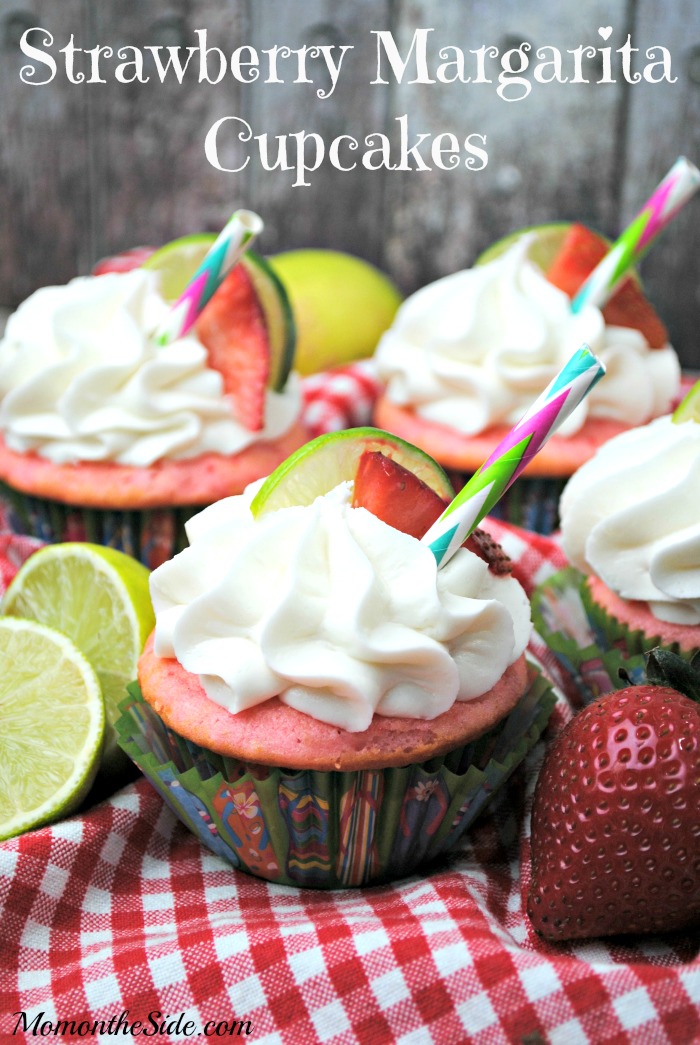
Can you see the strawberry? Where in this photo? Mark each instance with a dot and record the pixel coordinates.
(399, 498)
(232, 329)
(395, 494)
(124, 262)
(580, 252)
(616, 815)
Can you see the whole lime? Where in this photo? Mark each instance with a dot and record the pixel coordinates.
(341, 305)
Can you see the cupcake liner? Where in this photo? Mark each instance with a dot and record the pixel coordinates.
(152, 536)
(330, 829)
(590, 646)
(532, 504)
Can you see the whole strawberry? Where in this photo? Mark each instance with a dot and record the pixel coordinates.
(616, 815)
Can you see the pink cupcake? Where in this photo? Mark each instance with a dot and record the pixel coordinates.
(319, 703)
(108, 437)
(631, 530)
(468, 354)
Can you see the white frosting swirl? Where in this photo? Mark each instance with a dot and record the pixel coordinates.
(630, 515)
(334, 611)
(81, 379)
(476, 348)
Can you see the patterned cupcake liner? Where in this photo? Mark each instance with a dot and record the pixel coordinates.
(590, 646)
(532, 504)
(330, 829)
(152, 535)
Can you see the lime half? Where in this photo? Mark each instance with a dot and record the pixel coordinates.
(689, 407)
(98, 597)
(329, 460)
(53, 719)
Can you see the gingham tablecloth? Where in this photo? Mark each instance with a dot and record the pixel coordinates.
(116, 925)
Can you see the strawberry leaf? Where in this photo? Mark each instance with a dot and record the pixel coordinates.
(665, 668)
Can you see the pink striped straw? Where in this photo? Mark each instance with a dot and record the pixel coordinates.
(563, 394)
(672, 193)
(226, 250)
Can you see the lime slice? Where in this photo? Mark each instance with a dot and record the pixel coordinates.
(544, 249)
(176, 262)
(98, 597)
(329, 460)
(689, 407)
(53, 720)
(277, 313)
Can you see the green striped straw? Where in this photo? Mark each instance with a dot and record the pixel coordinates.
(226, 250)
(574, 381)
(672, 193)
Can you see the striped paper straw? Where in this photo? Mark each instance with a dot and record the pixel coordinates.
(681, 182)
(489, 483)
(233, 241)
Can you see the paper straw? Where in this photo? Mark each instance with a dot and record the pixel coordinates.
(489, 483)
(681, 182)
(232, 242)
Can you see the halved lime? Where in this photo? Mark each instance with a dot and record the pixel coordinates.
(325, 462)
(176, 262)
(689, 407)
(53, 718)
(98, 597)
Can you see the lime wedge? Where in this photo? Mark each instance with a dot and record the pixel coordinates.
(689, 407)
(98, 597)
(176, 262)
(329, 460)
(53, 719)
(544, 249)
(277, 312)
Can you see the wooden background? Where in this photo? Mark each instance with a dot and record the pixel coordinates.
(89, 169)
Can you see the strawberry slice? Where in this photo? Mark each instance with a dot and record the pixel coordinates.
(232, 328)
(123, 262)
(395, 495)
(580, 252)
(402, 500)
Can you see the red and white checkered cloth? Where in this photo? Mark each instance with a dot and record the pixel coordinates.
(119, 915)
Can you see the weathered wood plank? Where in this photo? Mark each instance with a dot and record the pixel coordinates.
(664, 122)
(43, 159)
(339, 209)
(150, 180)
(87, 169)
(551, 155)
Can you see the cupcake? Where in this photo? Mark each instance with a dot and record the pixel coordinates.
(108, 437)
(631, 531)
(318, 702)
(468, 354)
